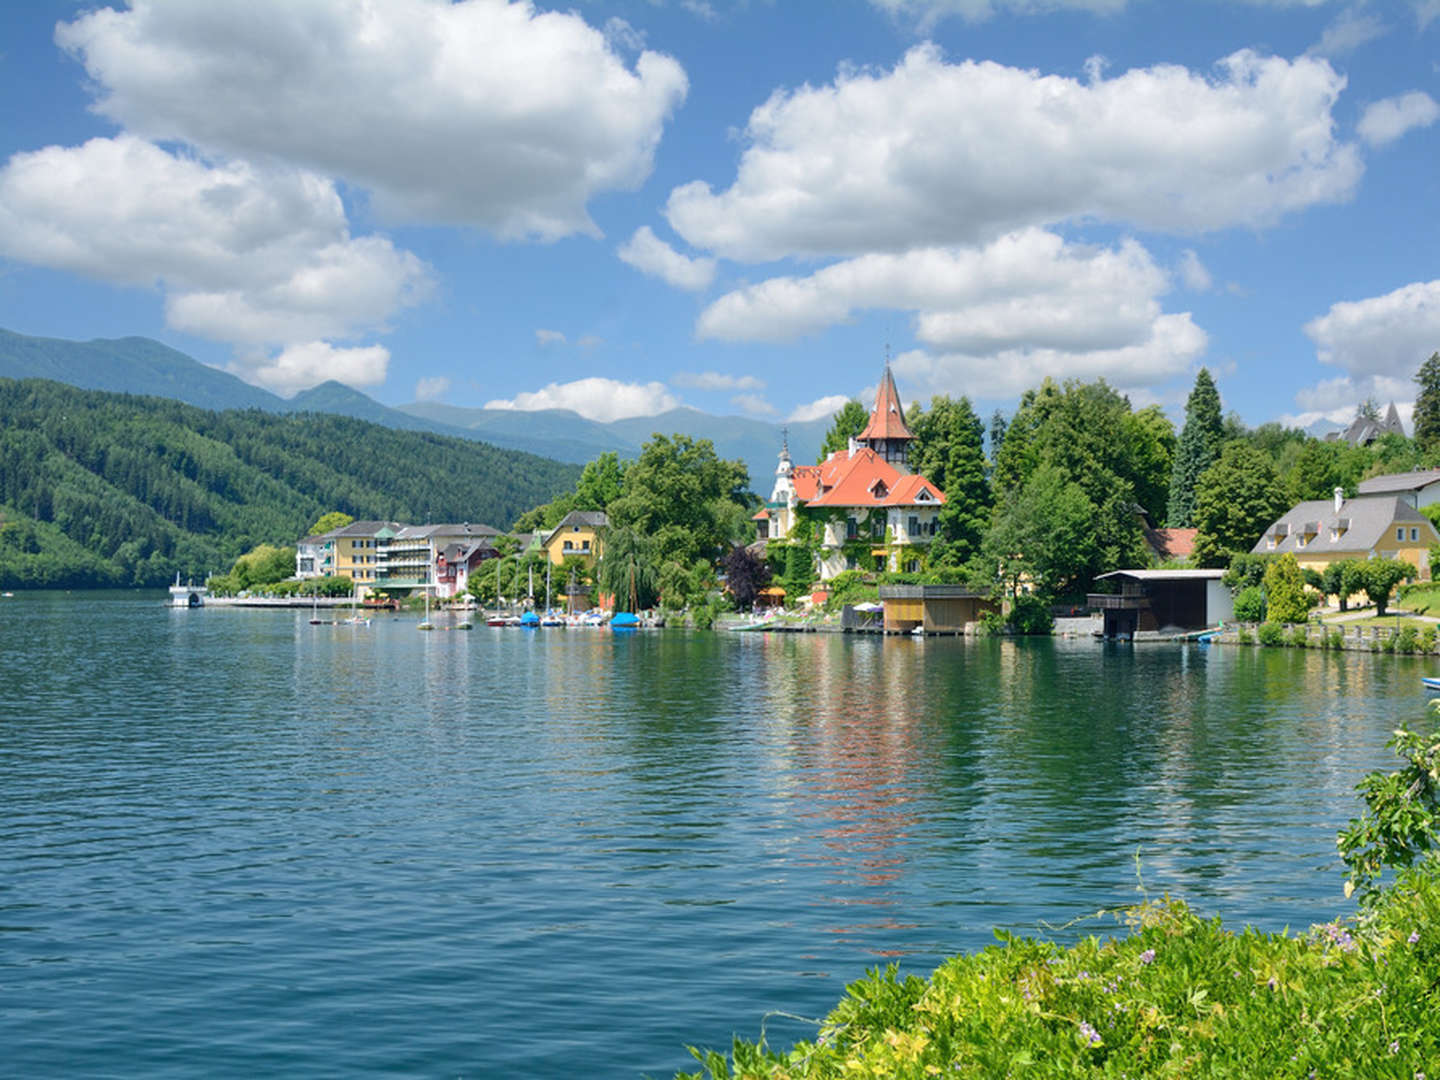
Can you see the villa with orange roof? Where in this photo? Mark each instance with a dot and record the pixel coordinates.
(874, 513)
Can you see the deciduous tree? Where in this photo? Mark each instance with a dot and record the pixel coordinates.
(849, 422)
(1427, 404)
(1235, 499)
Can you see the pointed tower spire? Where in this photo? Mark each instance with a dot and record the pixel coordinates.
(887, 433)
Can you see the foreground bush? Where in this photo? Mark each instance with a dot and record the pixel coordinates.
(1178, 995)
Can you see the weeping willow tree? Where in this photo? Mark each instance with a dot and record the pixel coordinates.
(628, 571)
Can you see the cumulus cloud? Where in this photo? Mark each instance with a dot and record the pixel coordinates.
(481, 113)
(1174, 342)
(589, 341)
(1027, 303)
(1389, 335)
(302, 366)
(939, 153)
(714, 380)
(1385, 121)
(595, 398)
(549, 337)
(1193, 273)
(753, 404)
(650, 255)
(819, 409)
(1335, 400)
(242, 254)
(432, 387)
(1351, 29)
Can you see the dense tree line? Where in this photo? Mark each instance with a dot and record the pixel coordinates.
(100, 489)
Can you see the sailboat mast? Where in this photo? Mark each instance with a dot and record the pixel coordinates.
(547, 586)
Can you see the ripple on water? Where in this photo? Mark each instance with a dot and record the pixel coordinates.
(235, 843)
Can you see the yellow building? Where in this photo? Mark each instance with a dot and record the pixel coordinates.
(580, 535)
(356, 550)
(1322, 531)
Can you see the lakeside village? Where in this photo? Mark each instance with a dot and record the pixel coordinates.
(907, 525)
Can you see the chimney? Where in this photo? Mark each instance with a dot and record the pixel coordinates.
(1339, 499)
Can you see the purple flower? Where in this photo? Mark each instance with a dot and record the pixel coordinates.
(1413, 938)
(1394, 1047)
(1148, 956)
(1271, 982)
(1089, 1034)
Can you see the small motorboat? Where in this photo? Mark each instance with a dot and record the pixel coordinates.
(1430, 684)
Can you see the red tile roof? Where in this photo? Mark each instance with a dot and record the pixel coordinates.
(1171, 543)
(887, 420)
(851, 481)
(806, 479)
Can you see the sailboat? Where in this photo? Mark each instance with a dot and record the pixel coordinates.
(356, 619)
(628, 620)
(427, 624)
(549, 618)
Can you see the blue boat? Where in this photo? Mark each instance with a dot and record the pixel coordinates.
(625, 620)
(1430, 684)
(529, 621)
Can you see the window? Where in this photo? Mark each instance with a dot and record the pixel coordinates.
(913, 566)
(1270, 544)
(1415, 533)
(913, 527)
(1400, 534)
(852, 529)
(1301, 540)
(567, 545)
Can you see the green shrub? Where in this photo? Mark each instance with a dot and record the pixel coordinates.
(1272, 633)
(1300, 636)
(1031, 615)
(991, 623)
(703, 616)
(1244, 637)
(1336, 638)
(1407, 640)
(1427, 639)
(1250, 604)
(1387, 643)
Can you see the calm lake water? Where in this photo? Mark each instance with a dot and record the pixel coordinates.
(236, 844)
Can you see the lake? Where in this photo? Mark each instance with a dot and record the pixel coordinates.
(237, 844)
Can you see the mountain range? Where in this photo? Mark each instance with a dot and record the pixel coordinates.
(137, 365)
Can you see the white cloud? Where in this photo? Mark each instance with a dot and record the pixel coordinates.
(1173, 344)
(1384, 335)
(649, 254)
(549, 337)
(1351, 29)
(1335, 400)
(302, 366)
(714, 380)
(819, 409)
(938, 153)
(928, 12)
(478, 112)
(1028, 303)
(432, 387)
(242, 254)
(1385, 121)
(595, 398)
(1193, 273)
(753, 404)
(1426, 12)
(589, 341)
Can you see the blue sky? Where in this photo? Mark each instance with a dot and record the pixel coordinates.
(622, 206)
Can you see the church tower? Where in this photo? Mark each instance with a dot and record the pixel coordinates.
(887, 433)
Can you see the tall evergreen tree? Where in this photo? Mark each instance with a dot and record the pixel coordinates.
(1198, 449)
(949, 451)
(997, 433)
(1427, 404)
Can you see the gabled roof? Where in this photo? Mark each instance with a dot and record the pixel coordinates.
(363, 529)
(806, 481)
(1408, 481)
(887, 420)
(1370, 517)
(850, 480)
(582, 519)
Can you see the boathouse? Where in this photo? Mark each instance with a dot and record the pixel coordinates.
(1163, 602)
(933, 609)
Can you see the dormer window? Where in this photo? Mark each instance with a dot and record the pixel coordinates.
(879, 490)
(924, 495)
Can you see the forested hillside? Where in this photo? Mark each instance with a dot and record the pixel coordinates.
(101, 489)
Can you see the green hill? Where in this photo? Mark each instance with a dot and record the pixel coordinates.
(101, 489)
(132, 365)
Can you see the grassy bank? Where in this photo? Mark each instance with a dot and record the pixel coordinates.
(1173, 994)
